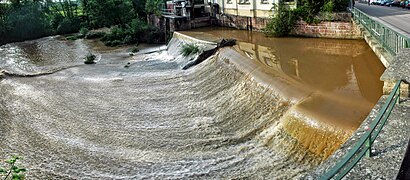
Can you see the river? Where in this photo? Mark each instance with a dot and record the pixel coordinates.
(266, 108)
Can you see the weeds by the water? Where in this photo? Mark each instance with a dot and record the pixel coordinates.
(135, 49)
(89, 59)
(13, 171)
(94, 35)
(188, 49)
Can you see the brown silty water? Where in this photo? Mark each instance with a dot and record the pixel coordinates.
(266, 108)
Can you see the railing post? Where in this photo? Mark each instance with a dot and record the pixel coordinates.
(398, 94)
(369, 146)
(384, 43)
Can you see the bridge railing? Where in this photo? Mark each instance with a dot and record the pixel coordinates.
(364, 144)
(391, 40)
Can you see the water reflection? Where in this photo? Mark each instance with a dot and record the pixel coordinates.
(342, 75)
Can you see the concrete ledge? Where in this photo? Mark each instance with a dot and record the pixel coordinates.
(399, 69)
(385, 57)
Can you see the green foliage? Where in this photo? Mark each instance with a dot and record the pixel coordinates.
(309, 9)
(139, 8)
(90, 59)
(73, 37)
(68, 25)
(25, 21)
(13, 171)
(282, 22)
(329, 6)
(94, 35)
(134, 32)
(154, 6)
(135, 49)
(189, 49)
(104, 13)
(84, 31)
(28, 19)
(339, 5)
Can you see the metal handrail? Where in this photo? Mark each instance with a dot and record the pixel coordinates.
(390, 39)
(363, 146)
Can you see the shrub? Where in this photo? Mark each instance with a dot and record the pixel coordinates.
(153, 7)
(282, 22)
(90, 59)
(94, 35)
(133, 32)
(73, 37)
(68, 25)
(84, 31)
(309, 9)
(16, 172)
(135, 49)
(189, 49)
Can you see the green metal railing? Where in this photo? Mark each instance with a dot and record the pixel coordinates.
(363, 146)
(391, 40)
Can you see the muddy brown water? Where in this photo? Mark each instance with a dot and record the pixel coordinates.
(155, 121)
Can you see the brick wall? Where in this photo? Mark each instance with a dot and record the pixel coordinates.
(342, 30)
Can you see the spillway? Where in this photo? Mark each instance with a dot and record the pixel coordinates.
(266, 108)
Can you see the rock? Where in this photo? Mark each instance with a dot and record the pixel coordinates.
(2, 73)
(128, 65)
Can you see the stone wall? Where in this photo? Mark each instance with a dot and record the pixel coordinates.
(343, 29)
(340, 30)
(242, 22)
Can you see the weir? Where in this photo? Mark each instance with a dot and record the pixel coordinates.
(254, 110)
(268, 66)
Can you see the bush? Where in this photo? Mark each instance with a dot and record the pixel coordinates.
(68, 25)
(24, 22)
(73, 37)
(282, 22)
(189, 49)
(94, 35)
(153, 7)
(90, 59)
(16, 172)
(84, 31)
(309, 9)
(135, 49)
(131, 33)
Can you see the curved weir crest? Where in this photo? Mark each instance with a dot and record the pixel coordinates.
(232, 116)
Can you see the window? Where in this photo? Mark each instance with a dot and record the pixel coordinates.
(289, 1)
(264, 1)
(244, 2)
(199, 2)
(228, 1)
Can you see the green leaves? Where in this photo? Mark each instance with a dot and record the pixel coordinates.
(2, 171)
(15, 171)
(282, 22)
(188, 49)
(17, 176)
(153, 6)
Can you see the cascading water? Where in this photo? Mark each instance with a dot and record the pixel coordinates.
(233, 116)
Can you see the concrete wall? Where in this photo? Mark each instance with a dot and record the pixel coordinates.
(242, 22)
